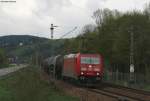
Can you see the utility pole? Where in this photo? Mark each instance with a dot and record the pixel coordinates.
(52, 30)
(131, 55)
(132, 50)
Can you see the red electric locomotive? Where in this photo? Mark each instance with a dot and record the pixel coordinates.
(83, 67)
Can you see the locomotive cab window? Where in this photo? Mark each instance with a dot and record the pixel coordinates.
(90, 60)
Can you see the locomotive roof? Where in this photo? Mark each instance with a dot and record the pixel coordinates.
(70, 56)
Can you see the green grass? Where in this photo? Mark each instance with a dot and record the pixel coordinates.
(26, 85)
(147, 88)
(11, 65)
(4, 65)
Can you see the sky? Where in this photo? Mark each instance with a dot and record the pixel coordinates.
(34, 17)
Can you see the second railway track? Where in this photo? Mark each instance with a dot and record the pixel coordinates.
(137, 91)
(124, 93)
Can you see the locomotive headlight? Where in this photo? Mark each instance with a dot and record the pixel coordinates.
(82, 73)
(97, 73)
(90, 66)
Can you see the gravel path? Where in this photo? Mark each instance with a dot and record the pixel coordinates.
(6, 71)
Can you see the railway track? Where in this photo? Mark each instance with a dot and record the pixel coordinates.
(137, 91)
(108, 92)
(122, 93)
(111, 95)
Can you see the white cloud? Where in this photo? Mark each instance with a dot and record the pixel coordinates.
(35, 16)
(125, 5)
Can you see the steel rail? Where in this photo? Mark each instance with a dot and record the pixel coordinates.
(137, 91)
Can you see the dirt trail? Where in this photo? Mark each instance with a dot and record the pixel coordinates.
(6, 71)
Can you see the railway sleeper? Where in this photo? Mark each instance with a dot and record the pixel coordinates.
(123, 99)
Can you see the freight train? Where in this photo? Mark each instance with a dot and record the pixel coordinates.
(84, 68)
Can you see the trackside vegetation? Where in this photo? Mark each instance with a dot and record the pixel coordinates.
(3, 59)
(147, 88)
(27, 85)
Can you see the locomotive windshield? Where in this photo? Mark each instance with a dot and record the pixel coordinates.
(90, 60)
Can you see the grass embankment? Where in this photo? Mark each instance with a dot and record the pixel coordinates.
(4, 65)
(7, 65)
(27, 85)
(147, 88)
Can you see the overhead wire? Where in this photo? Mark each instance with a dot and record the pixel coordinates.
(68, 33)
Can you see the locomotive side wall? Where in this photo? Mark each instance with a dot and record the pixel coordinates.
(69, 68)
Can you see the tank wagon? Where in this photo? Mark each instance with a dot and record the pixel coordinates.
(80, 67)
(53, 66)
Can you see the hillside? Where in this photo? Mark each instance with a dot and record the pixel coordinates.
(15, 40)
(24, 46)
